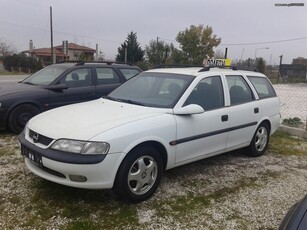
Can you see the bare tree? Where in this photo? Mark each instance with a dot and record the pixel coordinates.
(6, 48)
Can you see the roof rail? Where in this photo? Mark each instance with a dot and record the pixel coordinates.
(207, 68)
(176, 66)
(247, 68)
(105, 62)
(63, 61)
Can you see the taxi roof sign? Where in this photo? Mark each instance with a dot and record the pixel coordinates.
(217, 62)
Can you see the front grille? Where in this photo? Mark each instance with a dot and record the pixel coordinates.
(37, 138)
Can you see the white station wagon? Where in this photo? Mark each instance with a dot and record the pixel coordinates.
(156, 121)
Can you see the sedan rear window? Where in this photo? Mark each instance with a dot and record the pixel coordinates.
(262, 86)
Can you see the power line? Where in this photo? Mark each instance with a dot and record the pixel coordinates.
(262, 43)
(31, 3)
(59, 32)
(249, 43)
(166, 39)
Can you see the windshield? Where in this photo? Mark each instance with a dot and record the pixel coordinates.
(45, 76)
(152, 89)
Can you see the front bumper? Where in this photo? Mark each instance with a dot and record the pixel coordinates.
(3, 118)
(81, 171)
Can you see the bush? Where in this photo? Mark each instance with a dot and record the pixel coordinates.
(21, 61)
(292, 122)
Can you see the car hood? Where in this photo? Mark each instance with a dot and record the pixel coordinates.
(85, 120)
(12, 88)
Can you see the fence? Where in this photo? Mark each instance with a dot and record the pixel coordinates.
(292, 92)
(21, 70)
(293, 98)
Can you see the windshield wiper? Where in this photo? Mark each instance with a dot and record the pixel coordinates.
(132, 102)
(124, 100)
(110, 98)
(28, 83)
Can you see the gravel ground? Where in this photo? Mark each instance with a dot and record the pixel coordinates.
(230, 191)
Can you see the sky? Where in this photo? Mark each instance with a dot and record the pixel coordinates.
(248, 28)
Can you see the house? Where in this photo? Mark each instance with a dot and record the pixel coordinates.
(65, 52)
(298, 69)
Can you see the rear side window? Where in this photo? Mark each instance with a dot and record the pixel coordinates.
(106, 76)
(239, 91)
(129, 73)
(262, 86)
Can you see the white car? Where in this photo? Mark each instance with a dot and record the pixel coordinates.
(156, 121)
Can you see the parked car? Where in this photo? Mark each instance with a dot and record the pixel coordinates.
(158, 120)
(296, 218)
(58, 85)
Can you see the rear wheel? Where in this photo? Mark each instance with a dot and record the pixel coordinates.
(260, 141)
(139, 175)
(19, 117)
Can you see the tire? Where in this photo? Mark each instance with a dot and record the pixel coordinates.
(260, 141)
(19, 117)
(139, 175)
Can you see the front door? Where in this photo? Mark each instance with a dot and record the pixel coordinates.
(205, 134)
(80, 88)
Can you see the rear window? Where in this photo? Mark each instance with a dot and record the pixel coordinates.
(262, 86)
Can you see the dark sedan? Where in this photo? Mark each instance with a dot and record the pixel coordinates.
(296, 218)
(58, 85)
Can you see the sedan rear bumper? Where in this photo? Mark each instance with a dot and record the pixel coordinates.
(3, 118)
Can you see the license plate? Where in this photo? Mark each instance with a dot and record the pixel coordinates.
(35, 157)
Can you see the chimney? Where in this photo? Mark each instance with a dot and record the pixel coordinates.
(31, 47)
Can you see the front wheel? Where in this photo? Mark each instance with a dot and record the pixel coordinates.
(19, 117)
(139, 175)
(260, 141)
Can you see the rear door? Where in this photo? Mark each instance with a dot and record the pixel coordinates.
(244, 112)
(106, 80)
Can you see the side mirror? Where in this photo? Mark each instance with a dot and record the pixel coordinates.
(58, 87)
(189, 110)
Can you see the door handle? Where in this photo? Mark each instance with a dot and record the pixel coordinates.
(256, 110)
(224, 118)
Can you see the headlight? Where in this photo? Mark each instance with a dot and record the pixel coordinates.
(82, 147)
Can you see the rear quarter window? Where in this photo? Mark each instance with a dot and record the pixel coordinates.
(129, 73)
(262, 86)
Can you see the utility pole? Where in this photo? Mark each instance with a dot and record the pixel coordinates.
(279, 71)
(157, 51)
(226, 50)
(51, 37)
(125, 54)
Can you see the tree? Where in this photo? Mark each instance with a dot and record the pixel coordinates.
(159, 52)
(134, 51)
(100, 56)
(260, 65)
(83, 57)
(197, 43)
(6, 48)
(219, 54)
